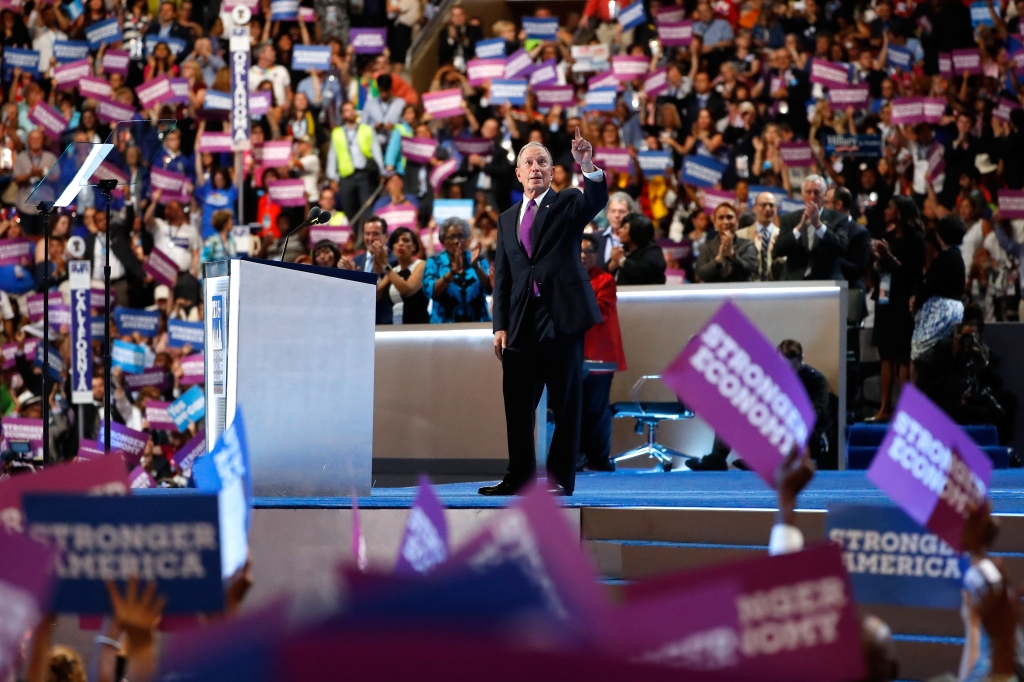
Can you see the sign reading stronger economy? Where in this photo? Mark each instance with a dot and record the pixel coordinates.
(736, 380)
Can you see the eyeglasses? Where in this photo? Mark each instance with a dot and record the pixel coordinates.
(457, 237)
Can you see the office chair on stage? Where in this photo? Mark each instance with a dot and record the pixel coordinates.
(649, 415)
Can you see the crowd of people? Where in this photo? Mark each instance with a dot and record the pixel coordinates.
(742, 141)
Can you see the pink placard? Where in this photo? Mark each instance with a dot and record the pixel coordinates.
(273, 154)
(112, 111)
(855, 96)
(829, 73)
(399, 216)
(339, 234)
(656, 83)
(442, 172)
(154, 91)
(418, 149)
(796, 154)
(443, 103)
(161, 267)
(714, 197)
(116, 61)
(613, 158)
(214, 142)
(551, 95)
(479, 71)
(195, 370)
(49, 119)
(603, 80)
(291, 192)
(68, 75)
(627, 68)
(966, 61)
(675, 33)
(1011, 203)
(94, 87)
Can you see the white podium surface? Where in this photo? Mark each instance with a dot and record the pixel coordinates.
(292, 347)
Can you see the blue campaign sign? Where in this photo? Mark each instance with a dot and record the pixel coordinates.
(176, 45)
(490, 49)
(892, 560)
(654, 163)
(508, 91)
(74, 9)
(788, 205)
(854, 145)
(172, 539)
(53, 359)
(128, 356)
(601, 99)
(129, 320)
(26, 60)
(70, 50)
(545, 28)
(98, 328)
(701, 171)
(632, 16)
(980, 16)
(284, 10)
(899, 58)
(190, 407)
(225, 470)
(754, 190)
(307, 57)
(217, 101)
(105, 32)
(179, 333)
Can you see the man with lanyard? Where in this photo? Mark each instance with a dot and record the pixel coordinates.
(619, 206)
(353, 146)
(266, 68)
(174, 235)
(30, 166)
(171, 158)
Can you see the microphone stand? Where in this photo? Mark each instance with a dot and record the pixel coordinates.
(44, 210)
(315, 220)
(105, 188)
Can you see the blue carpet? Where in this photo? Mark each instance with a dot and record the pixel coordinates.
(644, 488)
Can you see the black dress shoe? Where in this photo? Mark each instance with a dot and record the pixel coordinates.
(502, 489)
(708, 463)
(606, 465)
(559, 491)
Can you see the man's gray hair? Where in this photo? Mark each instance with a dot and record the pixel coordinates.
(815, 178)
(529, 145)
(623, 198)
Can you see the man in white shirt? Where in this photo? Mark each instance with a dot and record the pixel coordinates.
(266, 69)
(45, 35)
(306, 164)
(174, 235)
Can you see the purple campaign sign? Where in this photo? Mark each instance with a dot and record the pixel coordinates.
(443, 103)
(966, 61)
(368, 40)
(132, 442)
(26, 581)
(425, 543)
(442, 172)
(155, 376)
(16, 251)
(791, 617)
(188, 453)
(291, 192)
(855, 96)
(675, 33)
(140, 478)
(156, 415)
(796, 153)
(907, 110)
(613, 158)
(627, 68)
(194, 367)
(474, 145)
(930, 467)
(517, 64)
(90, 449)
(479, 71)
(19, 428)
(1011, 203)
(161, 267)
(116, 61)
(418, 149)
(733, 377)
(112, 111)
(656, 83)
(829, 73)
(550, 95)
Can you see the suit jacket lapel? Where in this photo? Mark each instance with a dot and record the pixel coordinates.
(540, 219)
(514, 226)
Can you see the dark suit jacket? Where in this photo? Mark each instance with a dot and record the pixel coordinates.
(385, 308)
(645, 265)
(823, 258)
(855, 262)
(502, 176)
(177, 31)
(555, 265)
(691, 107)
(738, 269)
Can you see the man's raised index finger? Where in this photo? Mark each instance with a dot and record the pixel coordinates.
(577, 132)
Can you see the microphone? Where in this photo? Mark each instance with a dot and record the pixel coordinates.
(316, 216)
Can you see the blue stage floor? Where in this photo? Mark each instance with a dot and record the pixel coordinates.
(632, 488)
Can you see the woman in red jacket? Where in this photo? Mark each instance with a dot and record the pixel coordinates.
(602, 344)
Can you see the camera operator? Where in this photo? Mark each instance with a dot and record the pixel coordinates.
(963, 379)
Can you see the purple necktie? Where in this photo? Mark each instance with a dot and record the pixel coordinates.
(525, 227)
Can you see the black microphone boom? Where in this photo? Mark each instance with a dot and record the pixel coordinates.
(316, 216)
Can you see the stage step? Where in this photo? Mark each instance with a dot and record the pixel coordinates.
(637, 543)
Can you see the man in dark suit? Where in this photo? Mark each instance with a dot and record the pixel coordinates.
(702, 97)
(377, 259)
(167, 26)
(811, 247)
(491, 171)
(126, 271)
(543, 305)
(619, 206)
(726, 257)
(855, 261)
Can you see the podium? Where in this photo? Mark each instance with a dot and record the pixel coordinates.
(292, 346)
